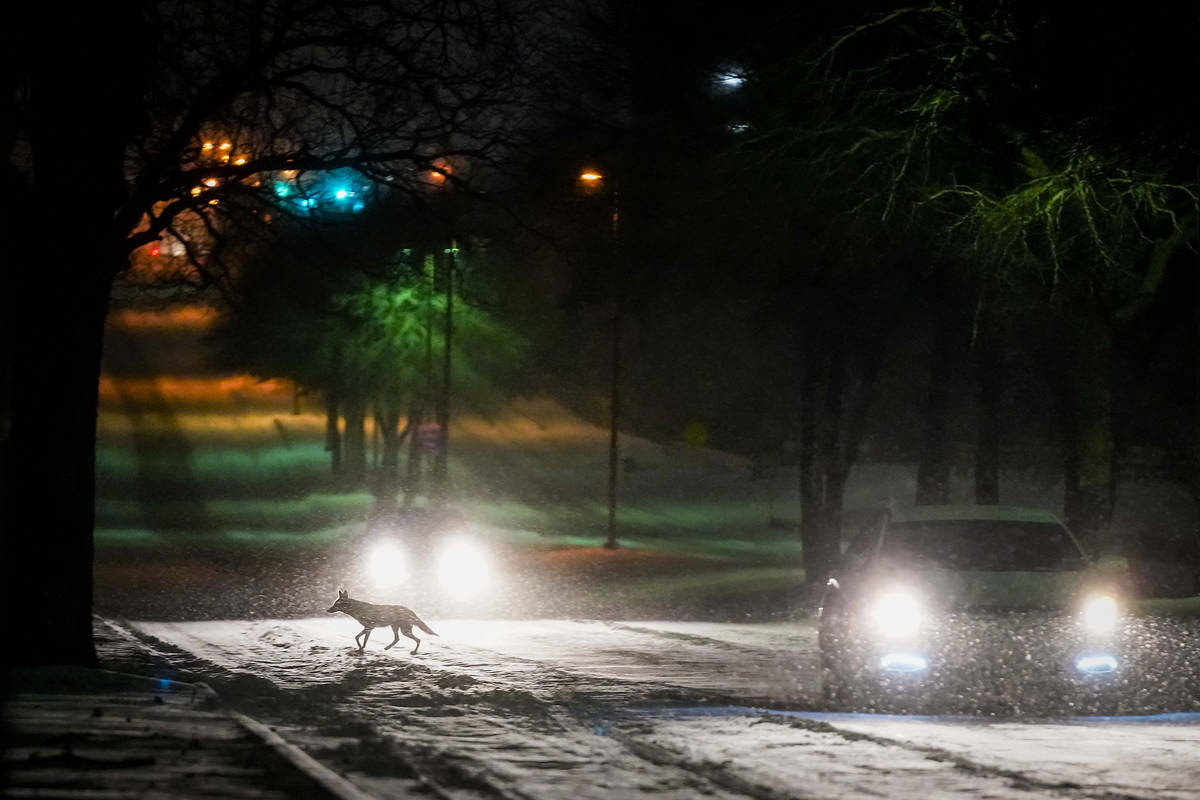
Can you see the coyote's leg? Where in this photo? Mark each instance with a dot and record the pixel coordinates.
(407, 631)
(365, 634)
(395, 637)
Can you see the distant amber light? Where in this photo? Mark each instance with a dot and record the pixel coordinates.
(590, 182)
(192, 317)
(208, 146)
(211, 182)
(239, 161)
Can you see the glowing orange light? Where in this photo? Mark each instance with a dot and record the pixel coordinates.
(226, 145)
(183, 317)
(196, 190)
(208, 146)
(240, 160)
(196, 393)
(210, 182)
(441, 171)
(590, 177)
(288, 173)
(213, 202)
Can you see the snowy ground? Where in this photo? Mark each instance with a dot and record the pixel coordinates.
(589, 709)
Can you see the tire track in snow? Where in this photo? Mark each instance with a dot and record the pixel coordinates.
(773, 762)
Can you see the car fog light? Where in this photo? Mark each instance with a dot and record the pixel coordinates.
(1096, 664)
(1100, 614)
(903, 662)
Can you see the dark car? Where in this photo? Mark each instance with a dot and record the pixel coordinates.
(972, 608)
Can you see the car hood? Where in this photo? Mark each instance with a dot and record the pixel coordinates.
(975, 590)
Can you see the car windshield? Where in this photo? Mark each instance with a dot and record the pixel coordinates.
(986, 545)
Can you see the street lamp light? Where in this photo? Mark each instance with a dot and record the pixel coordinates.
(593, 181)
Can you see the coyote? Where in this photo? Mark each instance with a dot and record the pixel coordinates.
(371, 616)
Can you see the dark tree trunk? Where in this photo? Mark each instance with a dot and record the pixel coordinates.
(61, 252)
(990, 386)
(819, 524)
(48, 463)
(1087, 411)
(412, 481)
(1194, 466)
(810, 476)
(933, 468)
(836, 470)
(388, 421)
(355, 465)
(833, 411)
(333, 434)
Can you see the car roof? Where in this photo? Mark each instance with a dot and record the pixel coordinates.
(969, 512)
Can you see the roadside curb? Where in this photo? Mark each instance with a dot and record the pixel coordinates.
(314, 770)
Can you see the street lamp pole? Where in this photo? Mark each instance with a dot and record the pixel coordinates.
(593, 181)
(615, 383)
(440, 463)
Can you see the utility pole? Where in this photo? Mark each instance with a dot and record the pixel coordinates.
(440, 464)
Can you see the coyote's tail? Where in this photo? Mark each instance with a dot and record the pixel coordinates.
(420, 624)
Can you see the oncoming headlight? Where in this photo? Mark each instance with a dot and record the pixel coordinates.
(387, 564)
(463, 568)
(897, 613)
(1100, 613)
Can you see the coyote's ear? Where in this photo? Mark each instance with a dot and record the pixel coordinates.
(343, 593)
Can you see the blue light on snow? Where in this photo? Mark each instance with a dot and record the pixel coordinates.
(342, 194)
(1096, 664)
(903, 662)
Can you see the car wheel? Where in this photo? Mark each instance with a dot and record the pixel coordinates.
(837, 690)
(832, 689)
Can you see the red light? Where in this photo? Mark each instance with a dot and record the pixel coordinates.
(154, 251)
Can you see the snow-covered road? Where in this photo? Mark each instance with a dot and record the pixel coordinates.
(590, 709)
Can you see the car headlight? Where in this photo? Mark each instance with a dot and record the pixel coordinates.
(897, 613)
(1100, 613)
(463, 568)
(387, 564)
